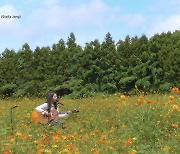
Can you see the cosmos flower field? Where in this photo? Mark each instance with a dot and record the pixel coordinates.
(117, 123)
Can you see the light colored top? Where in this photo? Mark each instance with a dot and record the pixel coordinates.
(43, 107)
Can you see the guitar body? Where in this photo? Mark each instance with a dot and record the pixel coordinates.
(44, 119)
(36, 117)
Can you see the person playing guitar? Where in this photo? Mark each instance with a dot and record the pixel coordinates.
(49, 111)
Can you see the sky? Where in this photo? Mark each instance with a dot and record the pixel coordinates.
(45, 22)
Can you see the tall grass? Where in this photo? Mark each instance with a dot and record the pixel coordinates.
(105, 124)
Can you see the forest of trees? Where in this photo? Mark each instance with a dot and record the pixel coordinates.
(133, 63)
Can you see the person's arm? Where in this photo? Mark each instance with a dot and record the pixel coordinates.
(64, 114)
(61, 115)
(42, 108)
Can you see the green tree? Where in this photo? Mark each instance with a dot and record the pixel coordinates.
(8, 72)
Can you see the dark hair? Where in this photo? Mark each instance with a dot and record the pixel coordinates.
(49, 101)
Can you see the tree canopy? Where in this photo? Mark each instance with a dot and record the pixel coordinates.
(67, 68)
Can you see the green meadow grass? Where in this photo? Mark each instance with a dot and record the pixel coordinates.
(105, 124)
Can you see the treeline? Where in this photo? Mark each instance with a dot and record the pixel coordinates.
(132, 64)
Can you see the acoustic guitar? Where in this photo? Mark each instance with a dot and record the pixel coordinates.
(36, 117)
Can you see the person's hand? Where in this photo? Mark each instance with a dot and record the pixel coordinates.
(48, 114)
(69, 112)
(45, 113)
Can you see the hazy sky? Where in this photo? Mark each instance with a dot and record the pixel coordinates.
(44, 22)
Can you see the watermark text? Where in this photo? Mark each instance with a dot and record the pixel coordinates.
(10, 16)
